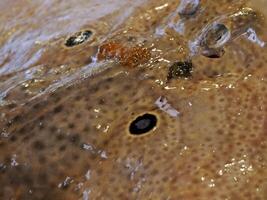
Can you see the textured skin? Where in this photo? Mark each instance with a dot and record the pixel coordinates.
(65, 129)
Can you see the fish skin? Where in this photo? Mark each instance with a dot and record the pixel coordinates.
(74, 142)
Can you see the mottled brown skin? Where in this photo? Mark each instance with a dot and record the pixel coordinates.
(126, 56)
(216, 148)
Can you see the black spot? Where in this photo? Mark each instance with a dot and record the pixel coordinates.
(110, 79)
(41, 118)
(86, 129)
(78, 38)
(131, 38)
(60, 137)
(118, 102)
(42, 177)
(78, 115)
(13, 138)
(58, 109)
(42, 159)
(39, 105)
(181, 69)
(11, 105)
(78, 97)
(8, 124)
(2, 144)
(17, 118)
(95, 89)
(38, 145)
(75, 139)
(101, 101)
(143, 124)
(22, 131)
(71, 125)
(62, 148)
(75, 157)
(26, 138)
(53, 129)
(127, 87)
(107, 87)
(213, 56)
(213, 53)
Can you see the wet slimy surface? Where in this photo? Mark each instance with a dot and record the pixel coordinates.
(133, 110)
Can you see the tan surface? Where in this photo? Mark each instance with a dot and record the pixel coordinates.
(64, 118)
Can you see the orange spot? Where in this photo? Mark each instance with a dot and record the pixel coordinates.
(127, 56)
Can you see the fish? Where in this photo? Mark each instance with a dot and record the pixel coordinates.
(128, 104)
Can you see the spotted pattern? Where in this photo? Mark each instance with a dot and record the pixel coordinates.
(74, 142)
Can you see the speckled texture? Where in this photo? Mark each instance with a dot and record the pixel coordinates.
(72, 140)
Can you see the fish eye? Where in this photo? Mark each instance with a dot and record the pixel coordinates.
(143, 124)
(217, 36)
(78, 38)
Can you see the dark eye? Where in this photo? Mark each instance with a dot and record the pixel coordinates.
(217, 36)
(78, 38)
(143, 124)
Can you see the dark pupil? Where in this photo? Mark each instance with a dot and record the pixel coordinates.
(143, 124)
(216, 34)
(221, 30)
